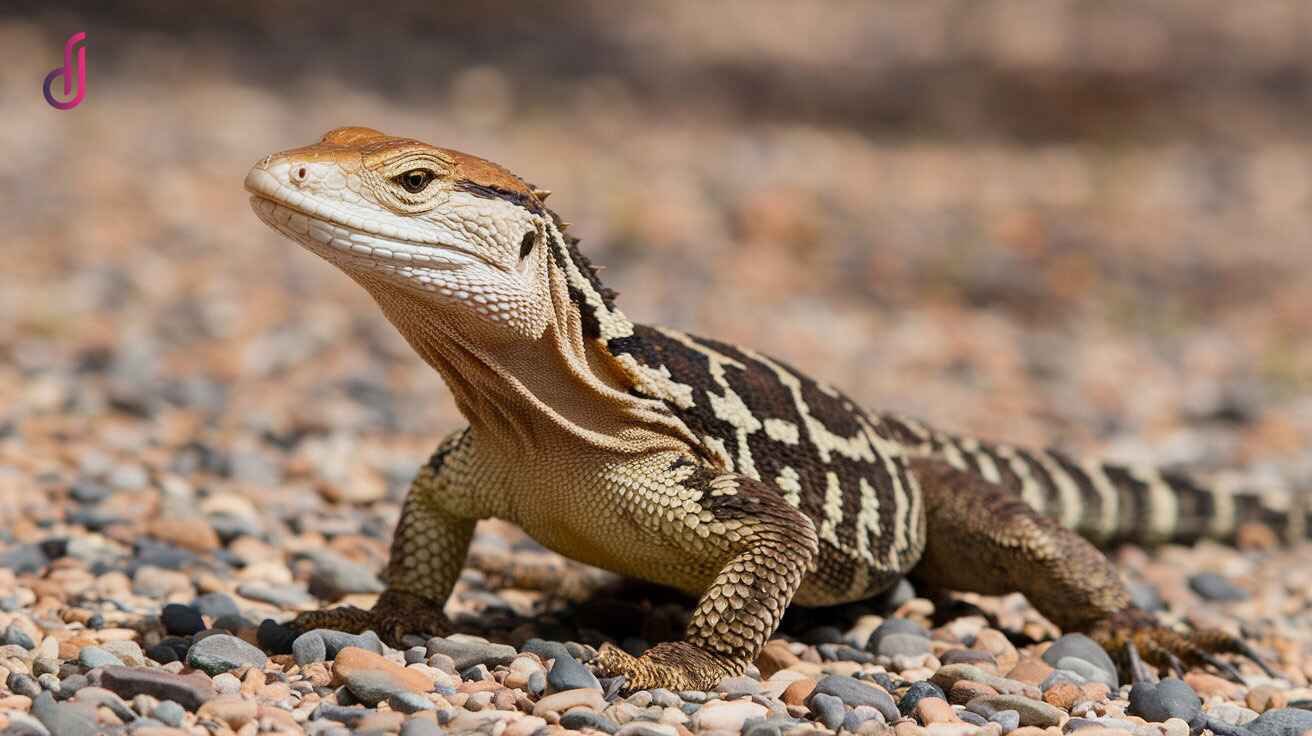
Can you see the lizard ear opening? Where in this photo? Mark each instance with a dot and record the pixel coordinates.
(526, 245)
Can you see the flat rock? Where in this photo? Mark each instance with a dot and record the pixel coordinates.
(854, 692)
(467, 653)
(373, 678)
(1082, 647)
(727, 715)
(224, 652)
(1032, 712)
(568, 673)
(1282, 722)
(562, 701)
(1170, 698)
(190, 690)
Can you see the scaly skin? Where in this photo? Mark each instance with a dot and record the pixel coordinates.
(681, 460)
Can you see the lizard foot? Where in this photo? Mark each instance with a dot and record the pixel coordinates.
(672, 665)
(1136, 637)
(395, 615)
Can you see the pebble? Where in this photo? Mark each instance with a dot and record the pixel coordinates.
(1009, 719)
(918, 690)
(1212, 587)
(189, 691)
(568, 674)
(92, 657)
(891, 627)
(1081, 647)
(931, 710)
(64, 719)
(1169, 698)
(562, 701)
(581, 718)
(421, 727)
(224, 652)
(1032, 712)
(373, 678)
(854, 692)
(466, 653)
(828, 710)
(169, 713)
(1282, 722)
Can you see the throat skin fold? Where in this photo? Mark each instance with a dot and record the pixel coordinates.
(560, 390)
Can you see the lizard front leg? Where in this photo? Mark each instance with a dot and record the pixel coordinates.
(762, 548)
(428, 552)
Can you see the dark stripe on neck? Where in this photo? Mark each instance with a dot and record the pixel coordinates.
(520, 199)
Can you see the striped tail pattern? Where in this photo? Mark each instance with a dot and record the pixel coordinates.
(1108, 503)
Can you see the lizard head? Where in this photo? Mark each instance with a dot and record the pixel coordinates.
(399, 215)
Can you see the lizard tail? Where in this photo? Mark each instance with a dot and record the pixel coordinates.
(1108, 503)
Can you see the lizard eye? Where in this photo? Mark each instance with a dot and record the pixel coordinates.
(414, 180)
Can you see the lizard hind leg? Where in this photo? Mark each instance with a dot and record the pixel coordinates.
(984, 539)
(762, 548)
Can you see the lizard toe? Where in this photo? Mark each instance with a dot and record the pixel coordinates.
(671, 665)
(1135, 637)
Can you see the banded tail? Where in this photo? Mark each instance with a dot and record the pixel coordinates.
(1108, 503)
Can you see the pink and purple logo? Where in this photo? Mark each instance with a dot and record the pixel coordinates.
(67, 71)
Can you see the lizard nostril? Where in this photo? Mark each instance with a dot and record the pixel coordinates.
(299, 175)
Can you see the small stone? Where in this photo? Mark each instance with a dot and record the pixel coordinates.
(309, 648)
(562, 701)
(996, 644)
(180, 620)
(1212, 587)
(126, 650)
(774, 656)
(92, 657)
(336, 641)
(854, 692)
(738, 687)
(1170, 698)
(545, 649)
(1082, 647)
(169, 713)
(1265, 697)
(1207, 685)
(933, 710)
(193, 534)
(964, 691)
(1008, 719)
(15, 636)
(722, 715)
(1032, 712)
(828, 710)
(224, 652)
(227, 683)
(891, 627)
(64, 719)
(1231, 714)
(408, 702)
(216, 605)
(902, 645)
(232, 710)
(975, 657)
(1087, 672)
(581, 718)
(1031, 671)
(1063, 695)
(372, 678)
(922, 689)
(1175, 727)
(568, 674)
(421, 727)
(466, 652)
(189, 691)
(798, 691)
(1282, 722)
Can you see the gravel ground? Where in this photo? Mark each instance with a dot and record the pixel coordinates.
(1084, 231)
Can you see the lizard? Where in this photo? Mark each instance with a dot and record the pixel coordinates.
(689, 462)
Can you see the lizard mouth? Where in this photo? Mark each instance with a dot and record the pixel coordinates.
(323, 230)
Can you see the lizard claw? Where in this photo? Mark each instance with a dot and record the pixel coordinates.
(395, 615)
(673, 665)
(1140, 639)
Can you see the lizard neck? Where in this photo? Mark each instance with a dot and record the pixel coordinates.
(560, 390)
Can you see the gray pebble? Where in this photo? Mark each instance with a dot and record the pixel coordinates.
(1008, 719)
(1212, 587)
(216, 605)
(169, 713)
(664, 698)
(901, 645)
(975, 719)
(917, 691)
(567, 674)
(545, 649)
(894, 626)
(581, 718)
(854, 692)
(738, 687)
(336, 641)
(828, 710)
(223, 652)
(1282, 722)
(49, 682)
(1088, 672)
(21, 724)
(22, 684)
(335, 576)
(17, 637)
(1032, 712)
(347, 715)
(466, 653)
(537, 684)
(1170, 698)
(1082, 647)
(284, 596)
(190, 691)
(409, 702)
(309, 648)
(92, 657)
(413, 655)
(63, 719)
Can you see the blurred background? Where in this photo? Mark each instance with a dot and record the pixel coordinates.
(1077, 223)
